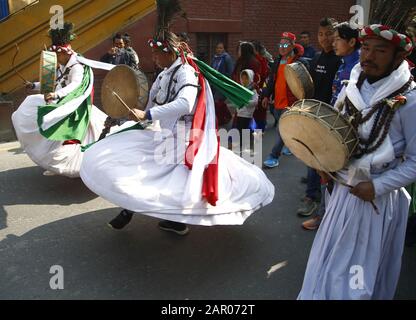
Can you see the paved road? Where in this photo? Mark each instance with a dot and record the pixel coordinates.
(46, 221)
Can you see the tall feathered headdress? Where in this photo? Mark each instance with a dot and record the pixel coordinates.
(164, 39)
(62, 38)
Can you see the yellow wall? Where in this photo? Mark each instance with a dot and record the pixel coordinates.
(16, 5)
(95, 21)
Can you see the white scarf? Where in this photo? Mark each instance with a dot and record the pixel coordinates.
(62, 112)
(359, 170)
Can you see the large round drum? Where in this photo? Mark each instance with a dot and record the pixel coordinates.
(131, 85)
(299, 80)
(47, 73)
(319, 135)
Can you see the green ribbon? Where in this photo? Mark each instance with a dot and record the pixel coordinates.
(236, 93)
(75, 125)
(412, 190)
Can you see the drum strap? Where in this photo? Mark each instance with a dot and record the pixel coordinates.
(185, 86)
(63, 74)
(169, 98)
(171, 80)
(67, 71)
(384, 115)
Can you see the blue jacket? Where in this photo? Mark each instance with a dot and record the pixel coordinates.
(309, 52)
(223, 63)
(343, 73)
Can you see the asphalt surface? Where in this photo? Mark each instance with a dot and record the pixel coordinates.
(48, 221)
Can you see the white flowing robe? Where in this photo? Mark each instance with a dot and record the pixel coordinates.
(53, 155)
(144, 171)
(356, 253)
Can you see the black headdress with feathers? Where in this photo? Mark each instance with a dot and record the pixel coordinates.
(61, 37)
(165, 39)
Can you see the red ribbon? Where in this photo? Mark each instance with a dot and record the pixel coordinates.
(210, 180)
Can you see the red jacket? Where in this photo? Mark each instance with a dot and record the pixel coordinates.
(264, 69)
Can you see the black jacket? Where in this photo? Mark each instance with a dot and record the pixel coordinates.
(122, 57)
(323, 69)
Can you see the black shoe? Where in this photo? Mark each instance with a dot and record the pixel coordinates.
(176, 227)
(304, 180)
(122, 220)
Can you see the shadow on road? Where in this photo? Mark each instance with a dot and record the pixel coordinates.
(16, 151)
(3, 218)
(140, 262)
(29, 186)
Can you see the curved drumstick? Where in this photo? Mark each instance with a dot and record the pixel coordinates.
(331, 175)
(14, 67)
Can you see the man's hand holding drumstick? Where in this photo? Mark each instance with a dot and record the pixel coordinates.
(137, 115)
(49, 97)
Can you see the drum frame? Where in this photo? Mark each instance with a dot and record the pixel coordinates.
(308, 91)
(140, 101)
(301, 110)
(48, 86)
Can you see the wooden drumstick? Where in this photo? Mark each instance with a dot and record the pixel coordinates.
(14, 67)
(122, 102)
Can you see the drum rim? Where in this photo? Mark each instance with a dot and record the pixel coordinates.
(342, 117)
(310, 90)
(50, 54)
(347, 152)
(343, 141)
(137, 73)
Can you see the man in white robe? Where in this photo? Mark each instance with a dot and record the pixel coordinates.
(51, 127)
(358, 249)
(175, 169)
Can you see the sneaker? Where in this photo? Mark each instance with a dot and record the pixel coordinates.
(312, 224)
(176, 227)
(286, 151)
(122, 220)
(48, 173)
(271, 162)
(308, 208)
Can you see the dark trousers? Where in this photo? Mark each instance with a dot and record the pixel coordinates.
(277, 149)
(313, 185)
(241, 125)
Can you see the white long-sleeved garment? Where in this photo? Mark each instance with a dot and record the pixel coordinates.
(53, 155)
(143, 170)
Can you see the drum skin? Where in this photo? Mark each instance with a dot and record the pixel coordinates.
(131, 85)
(299, 80)
(47, 72)
(318, 135)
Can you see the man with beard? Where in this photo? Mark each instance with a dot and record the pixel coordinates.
(358, 248)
